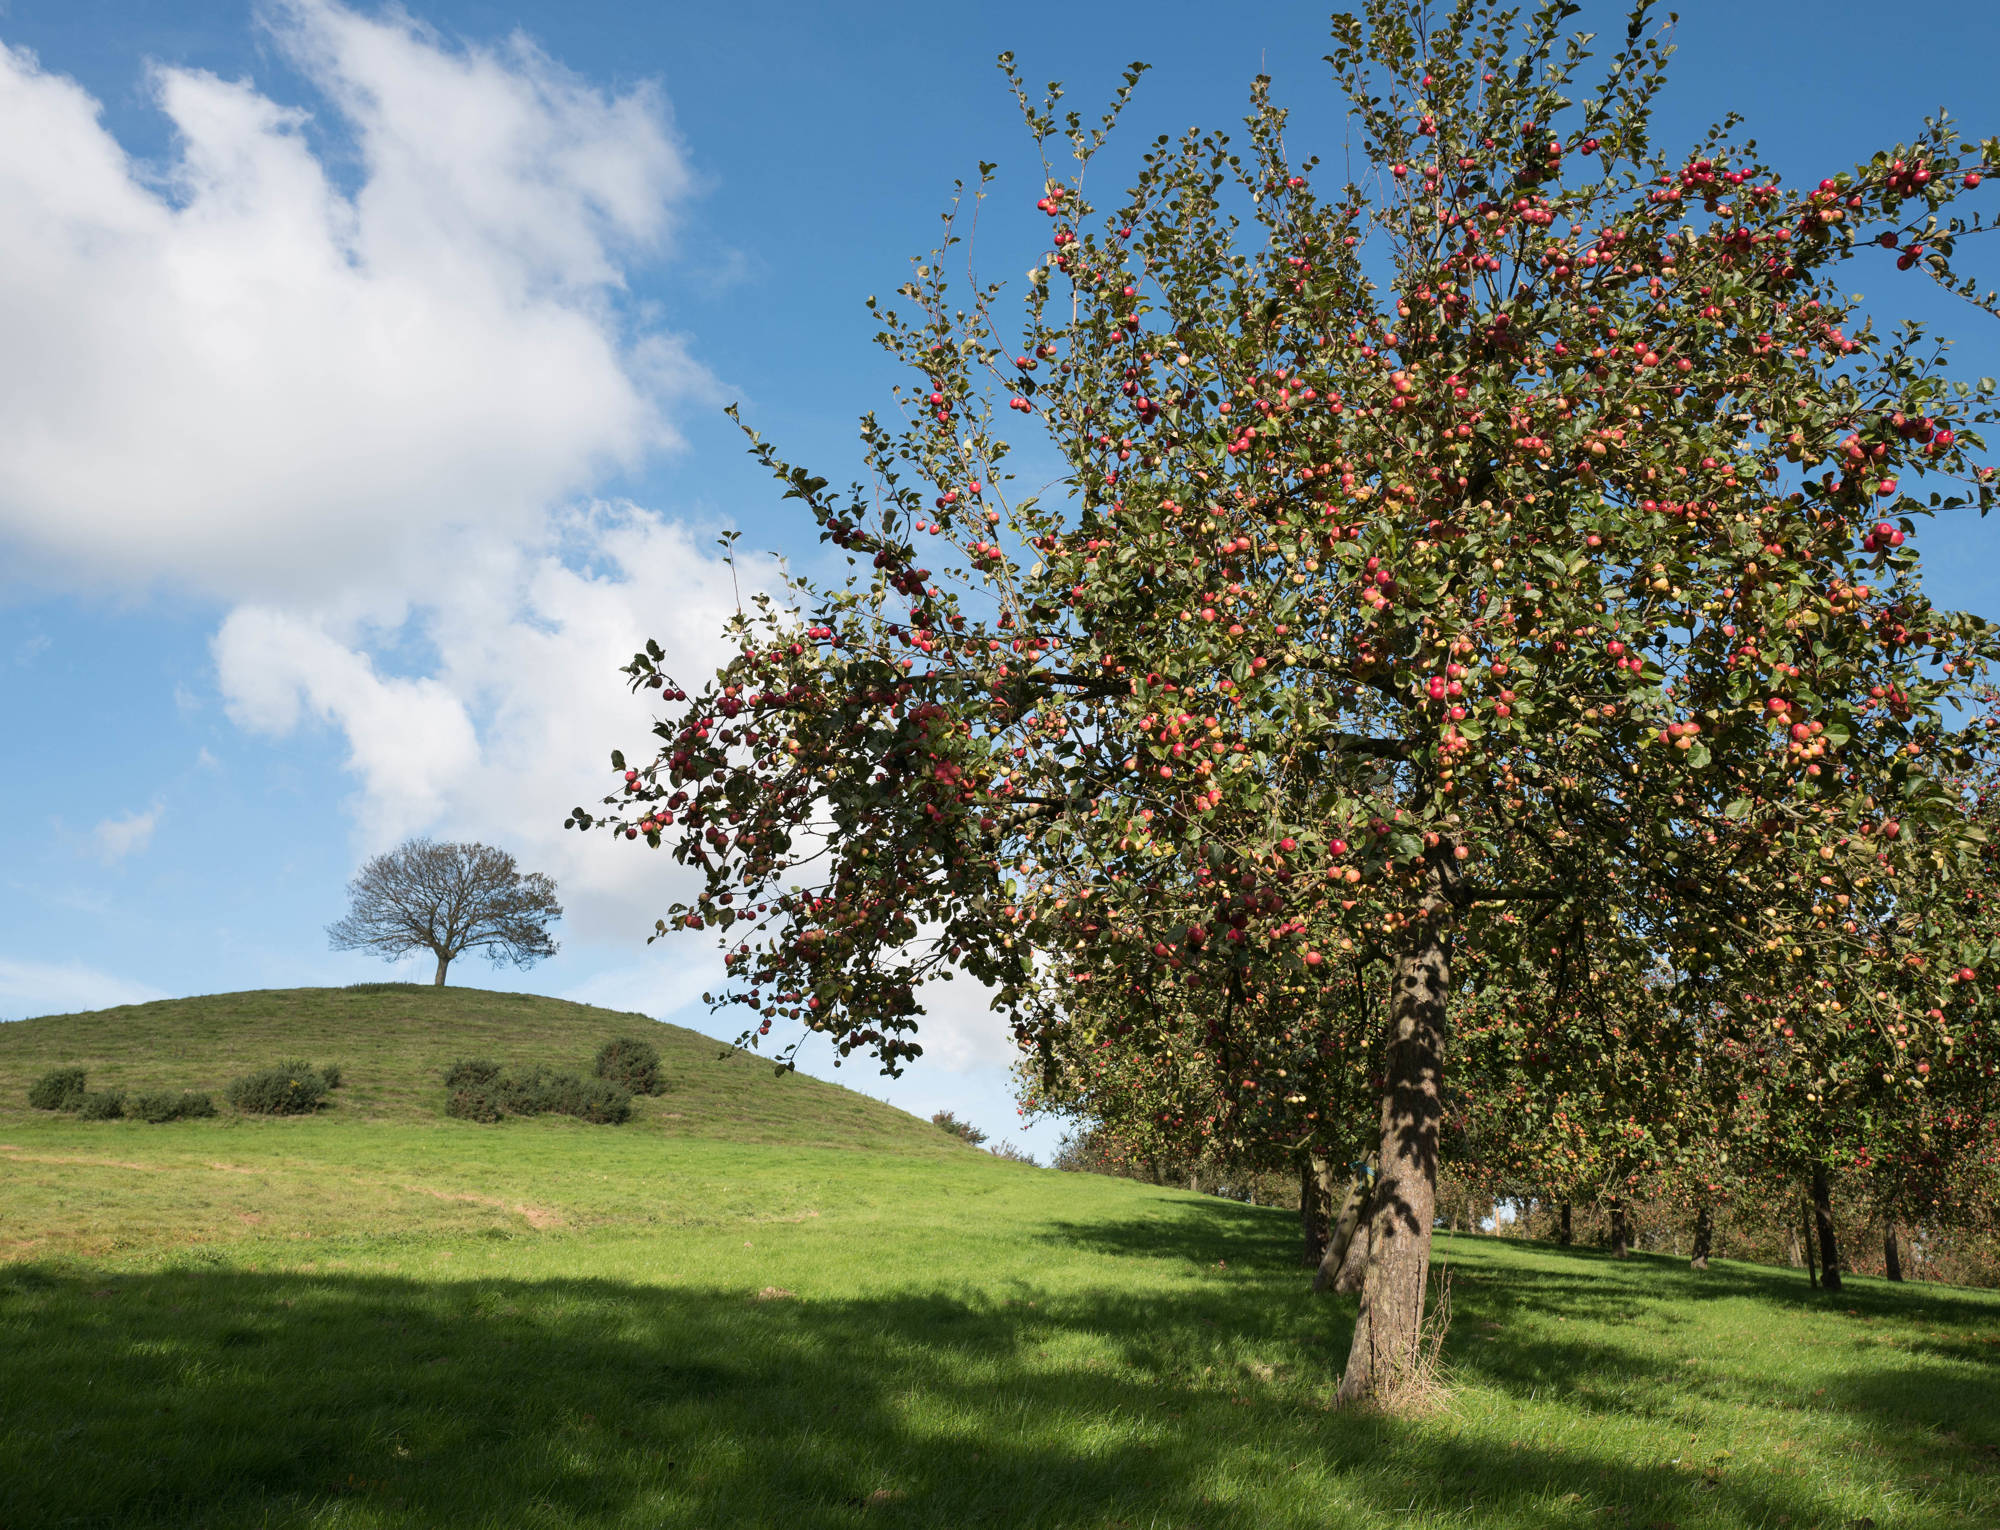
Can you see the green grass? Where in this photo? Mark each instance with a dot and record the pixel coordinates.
(347, 1321)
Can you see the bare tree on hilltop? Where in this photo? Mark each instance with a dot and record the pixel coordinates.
(448, 899)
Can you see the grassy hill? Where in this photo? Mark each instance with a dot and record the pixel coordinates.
(393, 1042)
(379, 1317)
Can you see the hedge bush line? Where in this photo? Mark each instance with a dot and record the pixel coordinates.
(291, 1088)
(479, 1090)
(162, 1105)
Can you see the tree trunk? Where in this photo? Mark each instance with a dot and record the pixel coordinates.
(1312, 1208)
(1346, 1256)
(1565, 1237)
(1389, 1325)
(1353, 1273)
(443, 962)
(1829, 1249)
(1812, 1264)
(1892, 1257)
(1194, 1181)
(1621, 1231)
(1704, 1236)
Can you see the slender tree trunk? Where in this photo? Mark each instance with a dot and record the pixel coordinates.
(1387, 1330)
(1704, 1236)
(1812, 1264)
(1565, 1236)
(1194, 1180)
(1621, 1230)
(443, 962)
(1892, 1257)
(1312, 1208)
(1829, 1248)
(1347, 1246)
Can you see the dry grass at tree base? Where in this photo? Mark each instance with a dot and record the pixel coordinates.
(404, 1321)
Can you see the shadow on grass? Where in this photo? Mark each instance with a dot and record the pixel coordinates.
(220, 1397)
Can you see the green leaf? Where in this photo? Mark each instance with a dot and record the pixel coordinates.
(1738, 810)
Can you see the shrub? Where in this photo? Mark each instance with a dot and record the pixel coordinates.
(479, 1091)
(540, 1092)
(331, 1073)
(474, 1102)
(100, 1105)
(290, 1089)
(965, 1131)
(1012, 1154)
(57, 1089)
(634, 1065)
(596, 1100)
(471, 1072)
(162, 1105)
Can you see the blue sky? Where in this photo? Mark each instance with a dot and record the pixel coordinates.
(366, 369)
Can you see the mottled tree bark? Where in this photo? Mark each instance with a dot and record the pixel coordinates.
(1812, 1263)
(1565, 1236)
(1704, 1237)
(1829, 1248)
(1388, 1327)
(1621, 1230)
(1892, 1257)
(443, 962)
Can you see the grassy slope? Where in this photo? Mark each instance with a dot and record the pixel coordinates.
(393, 1042)
(422, 1323)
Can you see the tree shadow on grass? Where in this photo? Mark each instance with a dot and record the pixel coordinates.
(225, 1398)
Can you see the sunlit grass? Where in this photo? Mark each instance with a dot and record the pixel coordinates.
(345, 1322)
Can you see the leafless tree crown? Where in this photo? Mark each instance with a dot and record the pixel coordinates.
(448, 899)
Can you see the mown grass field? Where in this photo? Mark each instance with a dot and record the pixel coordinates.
(835, 1318)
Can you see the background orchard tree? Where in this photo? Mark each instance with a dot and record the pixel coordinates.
(1506, 551)
(448, 899)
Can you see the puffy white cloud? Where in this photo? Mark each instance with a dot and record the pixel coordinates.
(238, 375)
(521, 701)
(61, 988)
(119, 837)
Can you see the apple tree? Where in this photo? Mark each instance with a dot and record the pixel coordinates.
(1506, 549)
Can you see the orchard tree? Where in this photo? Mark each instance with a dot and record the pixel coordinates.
(1509, 549)
(448, 899)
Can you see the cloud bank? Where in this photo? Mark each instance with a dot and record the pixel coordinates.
(234, 374)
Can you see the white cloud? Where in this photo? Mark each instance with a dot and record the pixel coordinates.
(522, 703)
(665, 986)
(53, 988)
(234, 375)
(961, 1032)
(119, 837)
